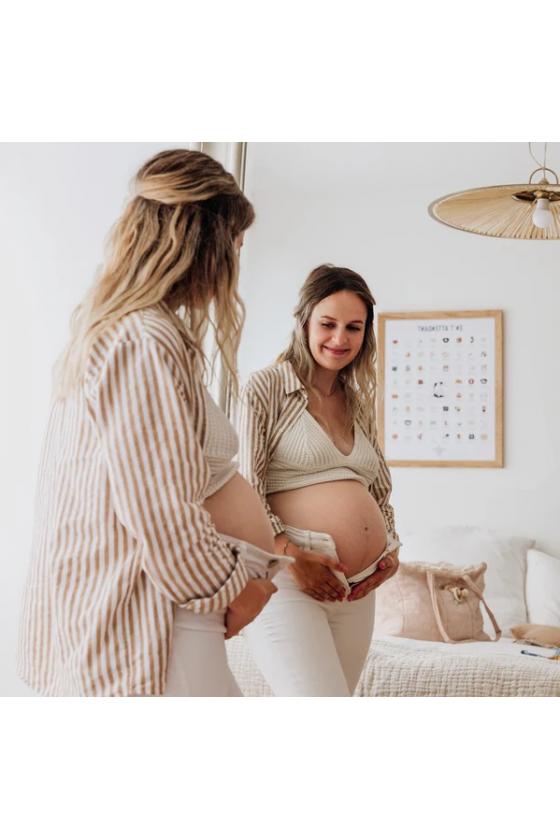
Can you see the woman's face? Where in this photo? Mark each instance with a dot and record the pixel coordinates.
(335, 330)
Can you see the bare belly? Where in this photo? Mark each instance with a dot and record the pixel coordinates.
(237, 511)
(343, 509)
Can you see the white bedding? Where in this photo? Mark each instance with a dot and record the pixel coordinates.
(504, 647)
(398, 667)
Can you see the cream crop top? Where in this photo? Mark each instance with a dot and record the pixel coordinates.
(306, 455)
(220, 446)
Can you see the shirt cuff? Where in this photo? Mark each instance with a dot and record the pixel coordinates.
(228, 592)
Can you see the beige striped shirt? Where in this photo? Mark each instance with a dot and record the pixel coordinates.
(121, 534)
(270, 403)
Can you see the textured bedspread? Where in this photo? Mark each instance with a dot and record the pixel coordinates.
(408, 668)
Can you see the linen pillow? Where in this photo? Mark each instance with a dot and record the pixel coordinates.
(543, 588)
(506, 558)
(540, 634)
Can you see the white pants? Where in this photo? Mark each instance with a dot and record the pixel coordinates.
(310, 648)
(198, 665)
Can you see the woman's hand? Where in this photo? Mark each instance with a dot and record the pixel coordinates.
(248, 605)
(312, 573)
(386, 569)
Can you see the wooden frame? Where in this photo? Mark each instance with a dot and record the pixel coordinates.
(467, 381)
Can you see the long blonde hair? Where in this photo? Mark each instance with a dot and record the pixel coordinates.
(358, 379)
(173, 243)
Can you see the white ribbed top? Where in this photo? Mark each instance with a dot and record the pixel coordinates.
(220, 446)
(306, 455)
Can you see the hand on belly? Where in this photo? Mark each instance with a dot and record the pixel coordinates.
(343, 509)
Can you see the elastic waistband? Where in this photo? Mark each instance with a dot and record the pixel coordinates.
(392, 544)
(259, 563)
(308, 539)
(314, 540)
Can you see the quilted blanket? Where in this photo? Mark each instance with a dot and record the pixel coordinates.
(408, 668)
(396, 669)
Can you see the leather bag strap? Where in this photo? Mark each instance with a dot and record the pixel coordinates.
(472, 585)
(435, 606)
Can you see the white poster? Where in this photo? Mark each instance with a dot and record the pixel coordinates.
(441, 382)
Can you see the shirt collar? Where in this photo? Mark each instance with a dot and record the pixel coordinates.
(291, 381)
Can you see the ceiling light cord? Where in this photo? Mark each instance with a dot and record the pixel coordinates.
(539, 164)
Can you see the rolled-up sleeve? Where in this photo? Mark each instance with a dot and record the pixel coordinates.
(254, 449)
(158, 475)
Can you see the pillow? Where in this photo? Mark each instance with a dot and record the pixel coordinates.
(543, 588)
(506, 558)
(539, 634)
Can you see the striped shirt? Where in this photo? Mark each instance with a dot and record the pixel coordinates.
(121, 534)
(270, 403)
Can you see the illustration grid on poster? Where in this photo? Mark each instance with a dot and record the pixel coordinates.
(440, 378)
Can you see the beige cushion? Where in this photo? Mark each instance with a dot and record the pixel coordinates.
(539, 634)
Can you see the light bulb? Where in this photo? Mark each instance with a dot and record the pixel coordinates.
(542, 215)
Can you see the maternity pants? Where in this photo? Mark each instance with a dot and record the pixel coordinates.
(198, 665)
(310, 648)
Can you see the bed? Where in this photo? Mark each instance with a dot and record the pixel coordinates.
(398, 667)
(522, 585)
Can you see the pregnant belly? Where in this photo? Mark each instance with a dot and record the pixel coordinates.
(236, 510)
(343, 509)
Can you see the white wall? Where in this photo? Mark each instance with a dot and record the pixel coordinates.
(364, 206)
(361, 205)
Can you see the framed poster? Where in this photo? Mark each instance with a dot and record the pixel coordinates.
(440, 388)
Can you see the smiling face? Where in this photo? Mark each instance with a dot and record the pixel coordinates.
(335, 330)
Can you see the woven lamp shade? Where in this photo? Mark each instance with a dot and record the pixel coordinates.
(494, 211)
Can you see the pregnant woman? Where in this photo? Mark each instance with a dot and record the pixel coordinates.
(149, 547)
(309, 448)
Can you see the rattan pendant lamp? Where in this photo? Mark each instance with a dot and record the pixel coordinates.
(513, 211)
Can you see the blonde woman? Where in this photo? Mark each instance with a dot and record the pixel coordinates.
(309, 448)
(133, 585)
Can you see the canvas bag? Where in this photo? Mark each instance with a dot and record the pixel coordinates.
(434, 603)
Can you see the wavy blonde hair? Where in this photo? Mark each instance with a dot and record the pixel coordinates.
(173, 243)
(358, 379)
